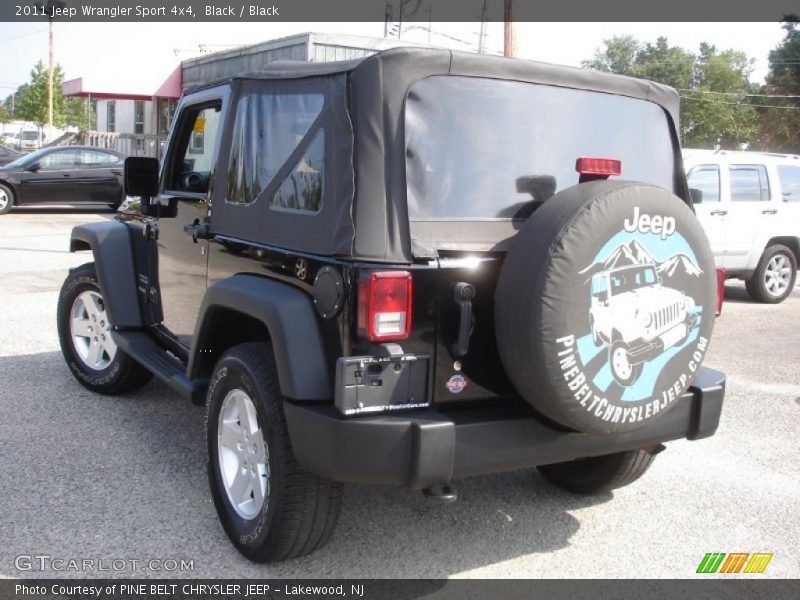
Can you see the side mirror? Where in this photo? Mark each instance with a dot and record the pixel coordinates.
(141, 177)
(34, 167)
(697, 195)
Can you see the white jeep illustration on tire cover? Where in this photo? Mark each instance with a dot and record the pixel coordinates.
(637, 317)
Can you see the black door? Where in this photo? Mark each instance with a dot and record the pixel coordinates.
(182, 241)
(52, 180)
(97, 177)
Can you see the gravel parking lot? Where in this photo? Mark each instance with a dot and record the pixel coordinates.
(89, 477)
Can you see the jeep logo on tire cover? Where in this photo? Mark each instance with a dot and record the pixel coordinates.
(605, 305)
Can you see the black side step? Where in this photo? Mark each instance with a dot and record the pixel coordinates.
(143, 349)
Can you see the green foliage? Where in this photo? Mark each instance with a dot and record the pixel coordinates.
(618, 56)
(32, 97)
(31, 102)
(714, 112)
(708, 119)
(781, 127)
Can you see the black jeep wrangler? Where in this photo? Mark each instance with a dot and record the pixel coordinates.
(406, 269)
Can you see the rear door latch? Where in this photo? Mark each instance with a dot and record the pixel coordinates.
(463, 293)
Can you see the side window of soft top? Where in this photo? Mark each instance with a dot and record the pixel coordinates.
(278, 144)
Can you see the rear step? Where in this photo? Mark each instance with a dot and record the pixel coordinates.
(141, 347)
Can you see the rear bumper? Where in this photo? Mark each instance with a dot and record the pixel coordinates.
(423, 448)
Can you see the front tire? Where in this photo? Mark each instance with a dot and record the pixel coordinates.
(625, 373)
(599, 474)
(774, 277)
(7, 198)
(270, 508)
(84, 332)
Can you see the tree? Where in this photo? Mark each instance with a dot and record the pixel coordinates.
(78, 112)
(781, 126)
(708, 119)
(31, 101)
(666, 64)
(32, 97)
(717, 111)
(618, 56)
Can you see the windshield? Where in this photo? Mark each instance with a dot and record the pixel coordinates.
(26, 159)
(483, 149)
(632, 279)
(29, 135)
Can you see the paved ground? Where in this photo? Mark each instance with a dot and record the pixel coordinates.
(83, 476)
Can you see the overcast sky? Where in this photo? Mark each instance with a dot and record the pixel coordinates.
(125, 49)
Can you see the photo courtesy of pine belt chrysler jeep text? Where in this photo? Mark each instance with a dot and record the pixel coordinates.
(406, 269)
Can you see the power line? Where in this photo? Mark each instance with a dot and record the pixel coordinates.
(17, 37)
(739, 94)
(740, 103)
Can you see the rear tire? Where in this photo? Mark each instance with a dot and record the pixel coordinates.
(278, 511)
(774, 277)
(598, 474)
(7, 198)
(86, 342)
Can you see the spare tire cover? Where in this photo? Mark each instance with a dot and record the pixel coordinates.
(605, 305)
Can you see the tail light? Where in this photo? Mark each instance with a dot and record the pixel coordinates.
(384, 306)
(720, 290)
(598, 166)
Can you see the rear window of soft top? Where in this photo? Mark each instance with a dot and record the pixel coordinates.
(469, 140)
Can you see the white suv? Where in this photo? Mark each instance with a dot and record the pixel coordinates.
(750, 211)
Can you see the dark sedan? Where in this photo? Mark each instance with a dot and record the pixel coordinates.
(63, 175)
(7, 155)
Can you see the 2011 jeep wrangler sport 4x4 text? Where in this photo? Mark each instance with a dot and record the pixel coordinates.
(404, 270)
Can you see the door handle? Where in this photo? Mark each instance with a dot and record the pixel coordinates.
(770, 211)
(66, 174)
(198, 230)
(720, 213)
(463, 293)
(116, 172)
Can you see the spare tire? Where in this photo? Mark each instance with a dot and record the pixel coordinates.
(605, 305)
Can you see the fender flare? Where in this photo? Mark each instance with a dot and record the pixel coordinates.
(294, 330)
(111, 244)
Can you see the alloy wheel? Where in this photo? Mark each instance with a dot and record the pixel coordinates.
(243, 455)
(91, 331)
(777, 275)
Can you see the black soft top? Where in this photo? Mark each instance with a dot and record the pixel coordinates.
(371, 219)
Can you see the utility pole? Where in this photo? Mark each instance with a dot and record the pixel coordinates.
(430, 22)
(482, 36)
(50, 82)
(509, 43)
(48, 10)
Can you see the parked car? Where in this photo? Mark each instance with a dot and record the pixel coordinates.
(394, 284)
(30, 140)
(8, 155)
(11, 140)
(750, 210)
(63, 175)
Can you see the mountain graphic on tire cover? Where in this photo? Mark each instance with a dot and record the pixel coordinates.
(604, 305)
(675, 268)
